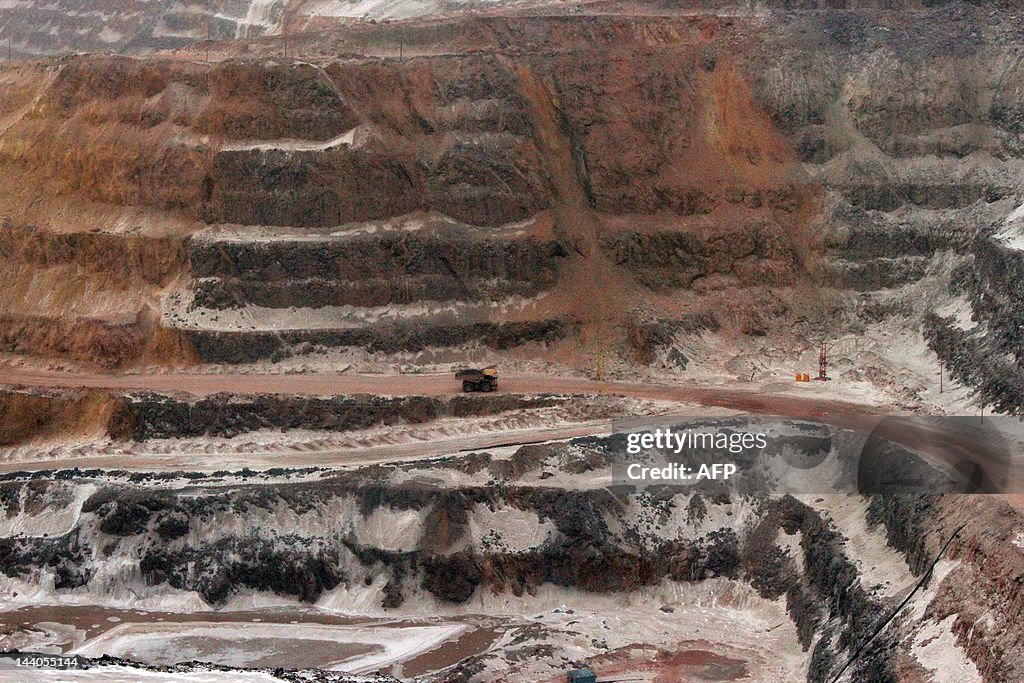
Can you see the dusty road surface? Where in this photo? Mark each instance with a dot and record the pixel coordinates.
(755, 400)
(691, 401)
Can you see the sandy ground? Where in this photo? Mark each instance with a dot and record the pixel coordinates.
(293, 637)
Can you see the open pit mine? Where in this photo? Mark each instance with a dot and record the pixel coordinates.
(513, 341)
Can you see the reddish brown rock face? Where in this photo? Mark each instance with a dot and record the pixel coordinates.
(638, 155)
(653, 167)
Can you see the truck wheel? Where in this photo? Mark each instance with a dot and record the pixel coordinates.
(467, 386)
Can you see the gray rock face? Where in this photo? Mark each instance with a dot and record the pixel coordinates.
(596, 541)
(373, 269)
(161, 417)
(244, 346)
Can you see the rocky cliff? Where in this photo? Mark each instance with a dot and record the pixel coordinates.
(503, 172)
(483, 524)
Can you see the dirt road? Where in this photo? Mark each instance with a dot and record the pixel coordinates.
(690, 400)
(754, 400)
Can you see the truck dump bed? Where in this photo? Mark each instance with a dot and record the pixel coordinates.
(476, 379)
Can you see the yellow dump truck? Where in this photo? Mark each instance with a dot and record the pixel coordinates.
(478, 380)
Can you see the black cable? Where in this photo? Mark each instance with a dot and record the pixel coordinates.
(924, 579)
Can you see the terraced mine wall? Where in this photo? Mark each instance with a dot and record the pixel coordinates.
(754, 254)
(246, 347)
(161, 526)
(93, 341)
(760, 148)
(888, 197)
(973, 360)
(90, 297)
(29, 416)
(320, 189)
(58, 27)
(994, 285)
(895, 167)
(985, 578)
(987, 355)
(225, 415)
(99, 127)
(154, 260)
(371, 270)
(600, 541)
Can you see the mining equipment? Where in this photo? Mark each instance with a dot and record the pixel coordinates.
(823, 363)
(585, 675)
(478, 380)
